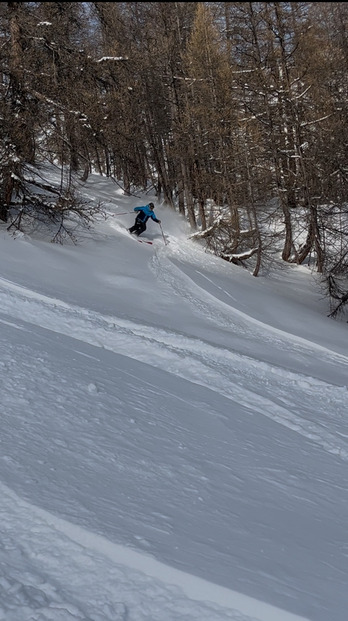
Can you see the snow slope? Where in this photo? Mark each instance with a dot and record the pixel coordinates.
(174, 437)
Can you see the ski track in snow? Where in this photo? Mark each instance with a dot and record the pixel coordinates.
(216, 368)
(248, 327)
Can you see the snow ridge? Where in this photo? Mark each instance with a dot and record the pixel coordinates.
(197, 361)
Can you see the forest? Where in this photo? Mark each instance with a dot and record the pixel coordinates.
(233, 113)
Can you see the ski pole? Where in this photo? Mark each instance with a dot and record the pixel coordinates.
(164, 239)
(121, 214)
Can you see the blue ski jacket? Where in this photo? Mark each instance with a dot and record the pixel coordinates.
(145, 213)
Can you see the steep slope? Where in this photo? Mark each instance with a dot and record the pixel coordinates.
(175, 405)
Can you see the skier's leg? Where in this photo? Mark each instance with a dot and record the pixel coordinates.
(136, 226)
(141, 228)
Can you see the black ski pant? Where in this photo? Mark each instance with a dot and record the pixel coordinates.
(138, 228)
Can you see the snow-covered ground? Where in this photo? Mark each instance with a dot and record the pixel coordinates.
(174, 432)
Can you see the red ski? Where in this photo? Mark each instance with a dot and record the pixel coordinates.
(144, 241)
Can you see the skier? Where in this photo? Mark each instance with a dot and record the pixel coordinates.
(145, 212)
